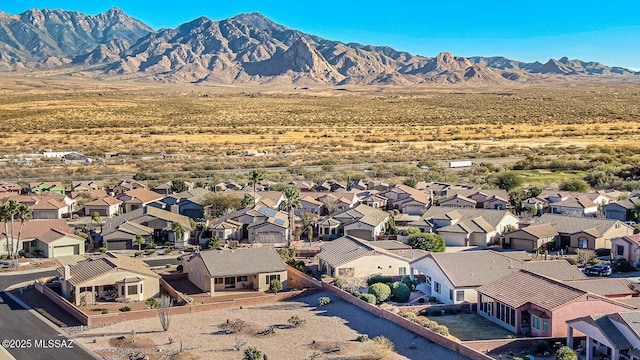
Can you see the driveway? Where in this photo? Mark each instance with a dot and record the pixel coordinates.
(406, 343)
(16, 323)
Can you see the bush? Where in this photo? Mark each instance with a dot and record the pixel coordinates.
(103, 250)
(125, 309)
(324, 276)
(296, 321)
(105, 311)
(180, 268)
(421, 300)
(370, 298)
(379, 279)
(380, 291)
(340, 282)
(623, 265)
(167, 251)
(153, 303)
(363, 338)
(572, 261)
(411, 283)
(400, 292)
(168, 266)
(324, 300)
(149, 251)
(432, 299)
(275, 285)
(566, 353)
(137, 253)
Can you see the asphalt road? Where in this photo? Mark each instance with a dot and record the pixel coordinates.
(29, 335)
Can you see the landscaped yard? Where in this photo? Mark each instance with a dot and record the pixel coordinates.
(467, 327)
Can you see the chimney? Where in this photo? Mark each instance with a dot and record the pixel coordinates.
(67, 271)
(175, 209)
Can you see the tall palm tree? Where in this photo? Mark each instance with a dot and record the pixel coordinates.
(9, 209)
(22, 213)
(96, 217)
(254, 178)
(140, 240)
(291, 201)
(4, 217)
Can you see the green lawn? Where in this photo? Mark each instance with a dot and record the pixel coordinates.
(467, 327)
(542, 178)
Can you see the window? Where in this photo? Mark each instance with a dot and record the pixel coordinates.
(545, 326)
(132, 289)
(506, 314)
(486, 305)
(241, 278)
(583, 243)
(535, 322)
(230, 282)
(436, 287)
(272, 277)
(218, 281)
(402, 271)
(450, 294)
(619, 250)
(460, 295)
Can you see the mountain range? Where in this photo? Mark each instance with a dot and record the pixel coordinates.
(247, 48)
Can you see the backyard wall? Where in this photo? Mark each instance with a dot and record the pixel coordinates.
(62, 302)
(407, 324)
(515, 345)
(300, 280)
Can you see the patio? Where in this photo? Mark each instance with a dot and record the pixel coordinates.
(469, 327)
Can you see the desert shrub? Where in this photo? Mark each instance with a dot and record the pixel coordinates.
(125, 309)
(427, 323)
(370, 298)
(296, 321)
(400, 292)
(379, 279)
(103, 250)
(381, 348)
(179, 268)
(153, 302)
(623, 265)
(363, 338)
(149, 251)
(594, 261)
(234, 326)
(167, 251)
(275, 285)
(137, 253)
(324, 300)
(432, 299)
(380, 291)
(324, 276)
(340, 282)
(105, 311)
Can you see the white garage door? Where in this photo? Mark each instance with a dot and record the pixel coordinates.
(65, 250)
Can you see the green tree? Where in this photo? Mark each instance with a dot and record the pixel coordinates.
(533, 192)
(254, 178)
(8, 214)
(178, 186)
(140, 241)
(247, 200)
(214, 243)
(252, 353)
(577, 185)
(22, 213)
(400, 292)
(508, 180)
(411, 182)
(291, 202)
(427, 241)
(391, 227)
(219, 204)
(380, 291)
(566, 353)
(275, 285)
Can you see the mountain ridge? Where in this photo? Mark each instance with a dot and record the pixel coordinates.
(246, 48)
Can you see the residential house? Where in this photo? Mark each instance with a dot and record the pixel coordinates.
(48, 238)
(352, 257)
(167, 187)
(108, 277)
(466, 226)
(484, 199)
(138, 198)
(362, 222)
(331, 186)
(106, 207)
(623, 210)
(260, 224)
(584, 233)
(84, 186)
(309, 204)
(327, 203)
(120, 232)
(627, 247)
(406, 199)
(126, 185)
(9, 189)
(272, 199)
(50, 206)
(216, 271)
(525, 302)
(454, 277)
(368, 184)
(190, 203)
(575, 206)
(303, 186)
(613, 336)
(226, 230)
(536, 204)
(42, 187)
(531, 238)
(371, 198)
(458, 201)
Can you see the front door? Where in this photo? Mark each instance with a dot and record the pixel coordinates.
(230, 282)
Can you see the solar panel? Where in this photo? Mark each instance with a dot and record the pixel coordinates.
(279, 222)
(268, 211)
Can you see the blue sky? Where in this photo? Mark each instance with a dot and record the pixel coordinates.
(520, 30)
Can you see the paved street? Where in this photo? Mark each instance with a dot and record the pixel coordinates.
(17, 323)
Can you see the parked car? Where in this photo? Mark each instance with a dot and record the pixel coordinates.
(599, 269)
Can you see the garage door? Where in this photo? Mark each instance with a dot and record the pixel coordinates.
(362, 234)
(522, 244)
(118, 244)
(65, 250)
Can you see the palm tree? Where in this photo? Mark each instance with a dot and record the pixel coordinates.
(178, 230)
(4, 217)
(292, 201)
(96, 217)
(254, 178)
(9, 209)
(23, 213)
(140, 240)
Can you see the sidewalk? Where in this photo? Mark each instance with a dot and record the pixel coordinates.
(29, 271)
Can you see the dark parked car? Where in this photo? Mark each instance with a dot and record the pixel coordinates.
(599, 269)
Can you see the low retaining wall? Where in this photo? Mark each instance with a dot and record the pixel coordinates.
(515, 345)
(62, 302)
(408, 324)
(173, 292)
(298, 279)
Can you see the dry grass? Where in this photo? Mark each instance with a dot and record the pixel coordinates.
(346, 125)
